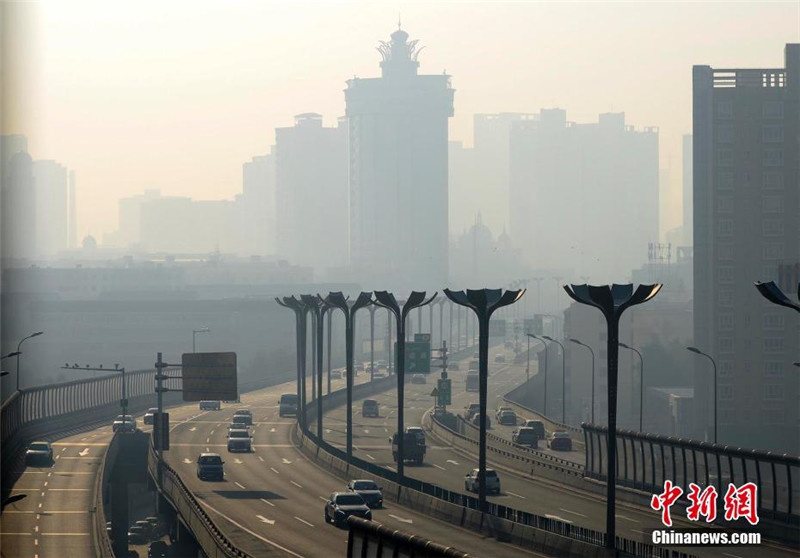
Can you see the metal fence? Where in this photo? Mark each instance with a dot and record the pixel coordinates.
(645, 461)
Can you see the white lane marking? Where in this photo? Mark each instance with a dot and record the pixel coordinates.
(46, 483)
(36, 529)
(84, 452)
(273, 430)
(323, 498)
(515, 494)
(401, 519)
(42, 494)
(726, 554)
(69, 490)
(274, 470)
(304, 521)
(442, 468)
(260, 458)
(211, 432)
(267, 502)
(452, 462)
(248, 531)
(549, 516)
(627, 518)
(366, 431)
(239, 485)
(265, 520)
(368, 455)
(572, 512)
(237, 461)
(187, 461)
(297, 485)
(208, 440)
(63, 449)
(286, 461)
(4, 533)
(192, 429)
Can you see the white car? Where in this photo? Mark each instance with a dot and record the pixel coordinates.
(124, 423)
(492, 481)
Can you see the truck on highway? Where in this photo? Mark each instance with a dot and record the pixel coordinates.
(413, 447)
(472, 381)
(474, 365)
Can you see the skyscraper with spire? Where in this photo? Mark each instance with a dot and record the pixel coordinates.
(398, 171)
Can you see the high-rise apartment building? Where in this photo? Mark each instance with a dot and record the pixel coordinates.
(52, 207)
(398, 171)
(584, 197)
(687, 181)
(311, 193)
(746, 228)
(258, 206)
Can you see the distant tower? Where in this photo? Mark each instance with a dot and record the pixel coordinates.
(398, 171)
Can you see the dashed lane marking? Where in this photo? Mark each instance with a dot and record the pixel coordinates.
(303, 521)
(274, 470)
(267, 502)
(239, 485)
(572, 512)
(297, 485)
(404, 520)
(515, 495)
(442, 468)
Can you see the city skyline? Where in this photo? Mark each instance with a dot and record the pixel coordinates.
(164, 154)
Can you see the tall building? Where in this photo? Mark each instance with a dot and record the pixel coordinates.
(746, 228)
(18, 219)
(584, 197)
(311, 193)
(258, 206)
(688, 211)
(398, 171)
(52, 207)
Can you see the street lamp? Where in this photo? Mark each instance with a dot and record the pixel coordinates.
(612, 301)
(591, 351)
(544, 403)
(194, 337)
(300, 314)
(563, 379)
(641, 382)
(18, 352)
(775, 295)
(318, 308)
(714, 364)
(483, 302)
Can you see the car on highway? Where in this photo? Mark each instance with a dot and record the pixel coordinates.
(368, 490)
(238, 425)
(525, 436)
(472, 410)
(413, 448)
(560, 441)
(39, 453)
(418, 432)
(210, 466)
(499, 357)
(508, 344)
(245, 416)
(341, 505)
(538, 427)
(419, 379)
(336, 374)
(240, 440)
(147, 528)
(150, 415)
(137, 535)
(370, 408)
(158, 549)
(210, 406)
(508, 417)
(500, 410)
(472, 481)
(124, 423)
(473, 381)
(476, 420)
(452, 365)
(287, 405)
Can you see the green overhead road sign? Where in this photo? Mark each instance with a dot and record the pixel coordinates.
(418, 357)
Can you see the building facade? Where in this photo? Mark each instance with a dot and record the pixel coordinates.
(746, 228)
(399, 171)
(258, 206)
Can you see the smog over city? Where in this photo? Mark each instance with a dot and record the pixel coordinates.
(512, 277)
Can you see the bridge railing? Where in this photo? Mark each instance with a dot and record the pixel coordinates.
(645, 461)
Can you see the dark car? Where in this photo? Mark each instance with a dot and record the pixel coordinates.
(137, 535)
(239, 440)
(538, 427)
(525, 436)
(418, 379)
(209, 466)
(287, 405)
(508, 417)
(368, 490)
(148, 416)
(342, 505)
(210, 406)
(243, 415)
(370, 408)
(39, 453)
(158, 549)
(476, 420)
(560, 441)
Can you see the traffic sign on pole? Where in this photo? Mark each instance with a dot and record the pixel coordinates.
(209, 376)
(444, 391)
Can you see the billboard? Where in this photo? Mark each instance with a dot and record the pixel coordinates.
(209, 376)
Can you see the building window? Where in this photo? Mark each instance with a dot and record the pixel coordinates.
(773, 251)
(772, 133)
(726, 392)
(772, 227)
(774, 417)
(774, 369)
(772, 204)
(725, 368)
(774, 321)
(725, 252)
(773, 158)
(725, 274)
(773, 345)
(770, 109)
(725, 297)
(725, 204)
(725, 227)
(773, 180)
(725, 157)
(773, 392)
(725, 322)
(724, 180)
(725, 345)
(725, 109)
(724, 133)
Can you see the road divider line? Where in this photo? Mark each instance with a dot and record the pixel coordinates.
(404, 520)
(274, 470)
(368, 455)
(239, 485)
(267, 502)
(572, 512)
(515, 495)
(442, 468)
(303, 521)
(297, 485)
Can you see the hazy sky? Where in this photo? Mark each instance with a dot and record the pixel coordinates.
(177, 95)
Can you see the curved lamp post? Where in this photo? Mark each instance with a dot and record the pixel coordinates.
(563, 379)
(641, 382)
(32, 335)
(714, 364)
(349, 309)
(612, 301)
(318, 307)
(577, 342)
(775, 295)
(300, 310)
(483, 302)
(543, 342)
(372, 308)
(387, 300)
